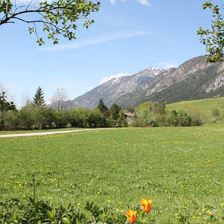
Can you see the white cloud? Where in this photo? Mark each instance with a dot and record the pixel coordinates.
(142, 2)
(95, 40)
(116, 77)
(115, 1)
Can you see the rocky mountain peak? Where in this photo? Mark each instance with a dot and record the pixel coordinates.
(193, 65)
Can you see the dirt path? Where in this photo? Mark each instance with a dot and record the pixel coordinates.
(43, 133)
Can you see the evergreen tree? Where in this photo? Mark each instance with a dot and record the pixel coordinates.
(38, 99)
(103, 108)
(115, 110)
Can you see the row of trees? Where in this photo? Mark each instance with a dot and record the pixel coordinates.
(32, 117)
(156, 115)
(36, 115)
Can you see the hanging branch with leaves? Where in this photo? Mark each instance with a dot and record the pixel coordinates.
(56, 18)
(213, 38)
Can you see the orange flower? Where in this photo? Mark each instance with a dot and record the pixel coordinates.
(146, 205)
(132, 216)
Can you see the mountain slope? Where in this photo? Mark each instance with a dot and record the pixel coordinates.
(195, 86)
(194, 79)
(116, 89)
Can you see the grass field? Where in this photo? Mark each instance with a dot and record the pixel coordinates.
(181, 169)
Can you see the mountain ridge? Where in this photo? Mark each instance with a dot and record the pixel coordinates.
(192, 79)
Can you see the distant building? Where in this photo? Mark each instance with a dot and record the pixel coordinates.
(130, 117)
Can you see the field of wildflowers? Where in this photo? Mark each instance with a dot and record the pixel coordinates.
(179, 169)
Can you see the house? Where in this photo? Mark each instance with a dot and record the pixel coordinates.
(130, 117)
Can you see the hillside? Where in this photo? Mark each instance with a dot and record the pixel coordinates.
(208, 108)
(194, 79)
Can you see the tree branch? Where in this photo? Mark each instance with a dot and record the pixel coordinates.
(58, 17)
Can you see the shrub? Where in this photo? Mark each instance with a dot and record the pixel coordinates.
(62, 119)
(143, 119)
(183, 119)
(16, 211)
(122, 121)
(140, 122)
(96, 119)
(196, 119)
(78, 118)
(11, 120)
(172, 118)
(161, 120)
(25, 116)
(216, 112)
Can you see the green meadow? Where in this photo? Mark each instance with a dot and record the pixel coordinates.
(180, 169)
(209, 109)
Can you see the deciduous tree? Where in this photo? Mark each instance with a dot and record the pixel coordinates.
(56, 18)
(59, 99)
(5, 106)
(213, 38)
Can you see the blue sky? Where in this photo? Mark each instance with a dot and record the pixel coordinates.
(128, 36)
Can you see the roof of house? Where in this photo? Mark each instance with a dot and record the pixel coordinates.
(129, 114)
